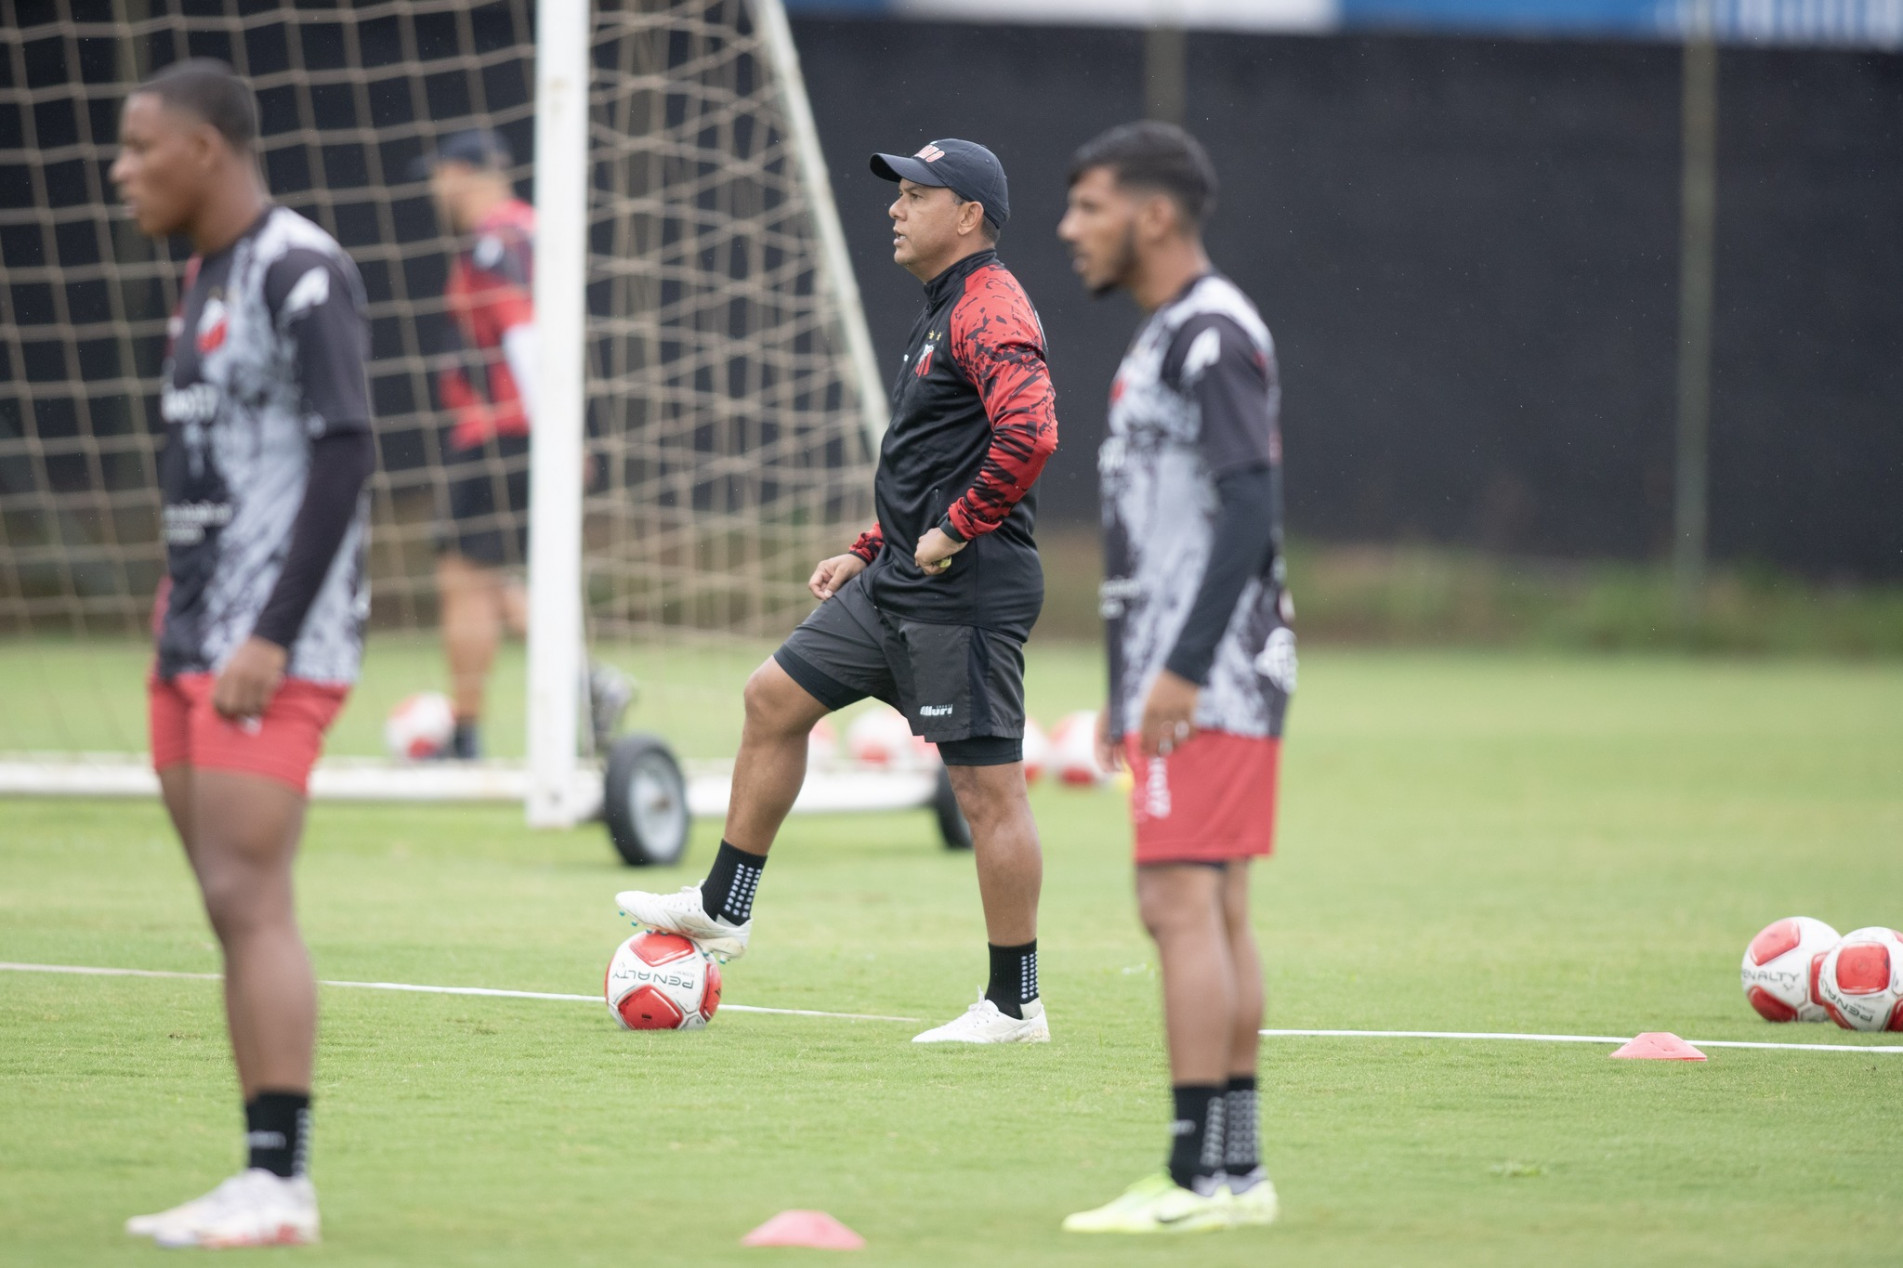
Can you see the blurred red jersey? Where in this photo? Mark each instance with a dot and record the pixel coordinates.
(488, 296)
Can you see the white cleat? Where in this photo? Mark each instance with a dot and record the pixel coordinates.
(1253, 1199)
(682, 913)
(253, 1208)
(983, 1022)
(149, 1225)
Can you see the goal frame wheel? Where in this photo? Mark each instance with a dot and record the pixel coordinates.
(646, 832)
(952, 828)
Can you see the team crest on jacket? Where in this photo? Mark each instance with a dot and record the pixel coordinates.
(212, 325)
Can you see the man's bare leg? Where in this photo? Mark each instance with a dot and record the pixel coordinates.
(1004, 838)
(1242, 1152)
(767, 774)
(240, 834)
(472, 620)
(1245, 1039)
(1181, 905)
(1010, 877)
(513, 597)
(245, 831)
(1181, 908)
(771, 765)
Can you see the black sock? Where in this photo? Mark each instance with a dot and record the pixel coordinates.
(466, 741)
(1013, 977)
(1196, 1136)
(727, 893)
(1240, 1152)
(278, 1130)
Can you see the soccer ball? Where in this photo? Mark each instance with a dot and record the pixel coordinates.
(1074, 750)
(880, 737)
(1780, 969)
(1861, 980)
(661, 981)
(1037, 751)
(822, 744)
(420, 728)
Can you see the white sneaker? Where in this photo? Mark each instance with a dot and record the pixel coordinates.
(149, 1225)
(984, 1023)
(253, 1208)
(682, 913)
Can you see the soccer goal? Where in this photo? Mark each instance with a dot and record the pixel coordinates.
(707, 426)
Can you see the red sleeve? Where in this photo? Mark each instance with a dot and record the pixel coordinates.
(997, 342)
(498, 302)
(870, 543)
(474, 423)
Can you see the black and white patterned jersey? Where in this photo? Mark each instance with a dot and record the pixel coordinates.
(1196, 398)
(267, 355)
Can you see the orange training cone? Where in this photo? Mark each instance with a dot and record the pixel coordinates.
(1659, 1045)
(805, 1228)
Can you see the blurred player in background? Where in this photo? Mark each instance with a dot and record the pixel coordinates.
(484, 547)
(260, 622)
(491, 394)
(929, 610)
(1202, 659)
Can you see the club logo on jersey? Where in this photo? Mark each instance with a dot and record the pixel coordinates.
(1204, 351)
(931, 153)
(925, 361)
(213, 324)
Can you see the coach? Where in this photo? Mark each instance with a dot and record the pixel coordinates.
(929, 609)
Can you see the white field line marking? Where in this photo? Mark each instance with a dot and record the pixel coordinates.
(435, 990)
(1461, 1034)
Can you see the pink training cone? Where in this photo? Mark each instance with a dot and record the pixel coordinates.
(1659, 1045)
(806, 1228)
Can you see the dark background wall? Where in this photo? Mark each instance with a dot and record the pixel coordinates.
(1468, 252)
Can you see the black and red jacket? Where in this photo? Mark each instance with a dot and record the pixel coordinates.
(489, 293)
(974, 419)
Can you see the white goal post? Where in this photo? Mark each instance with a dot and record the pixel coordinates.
(710, 409)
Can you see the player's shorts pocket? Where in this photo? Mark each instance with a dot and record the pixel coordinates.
(959, 681)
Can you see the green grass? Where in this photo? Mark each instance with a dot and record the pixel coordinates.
(1468, 842)
(1419, 595)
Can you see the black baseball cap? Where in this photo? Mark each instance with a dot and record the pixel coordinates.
(964, 167)
(478, 147)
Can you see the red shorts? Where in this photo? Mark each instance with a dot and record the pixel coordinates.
(1209, 801)
(282, 745)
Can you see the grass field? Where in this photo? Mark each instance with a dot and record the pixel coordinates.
(1469, 842)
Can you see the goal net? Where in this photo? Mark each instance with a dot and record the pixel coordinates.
(726, 406)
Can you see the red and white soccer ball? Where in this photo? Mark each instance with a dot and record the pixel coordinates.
(1781, 966)
(1037, 751)
(1074, 750)
(822, 744)
(1861, 980)
(880, 737)
(420, 728)
(661, 981)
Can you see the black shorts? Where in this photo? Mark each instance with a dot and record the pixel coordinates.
(958, 686)
(488, 503)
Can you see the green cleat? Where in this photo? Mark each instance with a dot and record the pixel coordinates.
(1157, 1204)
